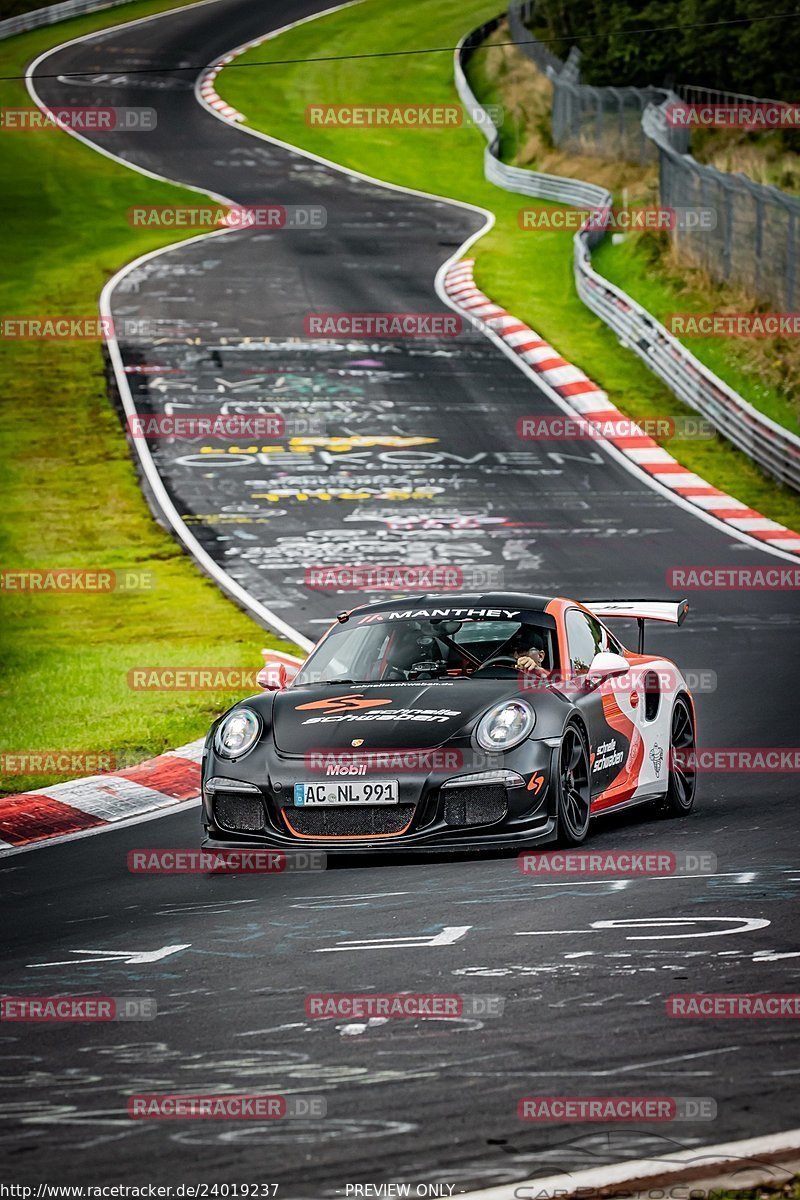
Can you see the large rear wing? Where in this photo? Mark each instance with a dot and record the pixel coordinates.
(672, 611)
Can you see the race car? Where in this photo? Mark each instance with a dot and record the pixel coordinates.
(453, 722)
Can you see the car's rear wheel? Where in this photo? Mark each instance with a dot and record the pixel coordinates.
(679, 799)
(574, 787)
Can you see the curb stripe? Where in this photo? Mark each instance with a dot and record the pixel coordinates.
(700, 1162)
(33, 816)
(101, 800)
(209, 92)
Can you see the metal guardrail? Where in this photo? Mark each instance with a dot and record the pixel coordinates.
(52, 14)
(516, 179)
(775, 449)
(694, 93)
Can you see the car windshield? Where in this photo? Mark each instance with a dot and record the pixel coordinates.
(384, 647)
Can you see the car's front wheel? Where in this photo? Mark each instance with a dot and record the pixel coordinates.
(679, 799)
(574, 787)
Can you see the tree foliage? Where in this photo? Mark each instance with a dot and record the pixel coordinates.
(640, 42)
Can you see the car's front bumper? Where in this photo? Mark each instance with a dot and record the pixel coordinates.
(429, 816)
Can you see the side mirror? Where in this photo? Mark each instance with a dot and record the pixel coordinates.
(606, 666)
(278, 671)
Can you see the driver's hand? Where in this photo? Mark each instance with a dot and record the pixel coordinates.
(526, 663)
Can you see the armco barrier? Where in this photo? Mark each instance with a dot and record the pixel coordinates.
(775, 449)
(53, 13)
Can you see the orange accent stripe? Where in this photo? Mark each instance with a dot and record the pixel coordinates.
(625, 782)
(343, 837)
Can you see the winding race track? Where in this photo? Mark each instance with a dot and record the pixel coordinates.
(421, 1100)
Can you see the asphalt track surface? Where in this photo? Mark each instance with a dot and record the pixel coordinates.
(408, 1100)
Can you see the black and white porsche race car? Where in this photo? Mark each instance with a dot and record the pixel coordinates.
(453, 722)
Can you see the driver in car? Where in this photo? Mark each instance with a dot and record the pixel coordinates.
(531, 658)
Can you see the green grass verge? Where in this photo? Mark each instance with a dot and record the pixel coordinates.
(766, 372)
(776, 1191)
(630, 265)
(528, 273)
(71, 496)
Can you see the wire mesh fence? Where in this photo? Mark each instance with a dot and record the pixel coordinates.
(775, 449)
(604, 122)
(756, 238)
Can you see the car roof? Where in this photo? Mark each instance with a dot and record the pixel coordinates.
(457, 600)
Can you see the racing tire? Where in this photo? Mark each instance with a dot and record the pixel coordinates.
(682, 784)
(574, 791)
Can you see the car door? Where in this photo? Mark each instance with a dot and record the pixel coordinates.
(615, 750)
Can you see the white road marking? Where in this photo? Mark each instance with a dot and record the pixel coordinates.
(354, 901)
(449, 934)
(745, 925)
(130, 957)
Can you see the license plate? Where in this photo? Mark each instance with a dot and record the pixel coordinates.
(335, 792)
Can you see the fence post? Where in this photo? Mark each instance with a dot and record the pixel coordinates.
(728, 247)
(791, 259)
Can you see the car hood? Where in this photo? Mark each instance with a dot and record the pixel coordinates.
(424, 714)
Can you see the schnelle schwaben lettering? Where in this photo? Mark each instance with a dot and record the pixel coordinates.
(432, 715)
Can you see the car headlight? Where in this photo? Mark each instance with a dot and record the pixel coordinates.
(505, 725)
(237, 734)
